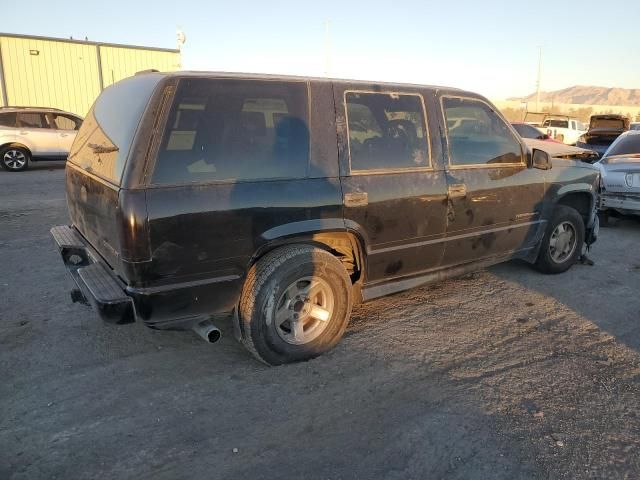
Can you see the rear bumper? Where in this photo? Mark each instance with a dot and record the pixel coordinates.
(173, 306)
(97, 285)
(621, 202)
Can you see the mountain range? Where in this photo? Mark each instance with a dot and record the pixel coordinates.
(589, 96)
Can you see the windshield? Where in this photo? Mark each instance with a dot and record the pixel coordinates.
(628, 144)
(103, 142)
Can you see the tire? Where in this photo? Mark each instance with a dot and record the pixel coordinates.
(566, 226)
(281, 322)
(14, 158)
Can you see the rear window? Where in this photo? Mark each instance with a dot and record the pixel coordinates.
(557, 123)
(625, 145)
(234, 130)
(613, 123)
(106, 135)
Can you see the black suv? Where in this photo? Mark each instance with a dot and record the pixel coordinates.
(283, 201)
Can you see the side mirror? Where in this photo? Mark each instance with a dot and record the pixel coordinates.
(540, 160)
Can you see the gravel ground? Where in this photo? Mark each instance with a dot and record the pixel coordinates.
(503, 374)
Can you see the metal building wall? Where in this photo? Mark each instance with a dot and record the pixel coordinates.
(66, 74)
(118, 62)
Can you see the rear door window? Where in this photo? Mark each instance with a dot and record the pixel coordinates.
(234, 130)
(386, 131)
(32, 120)
(477, 135)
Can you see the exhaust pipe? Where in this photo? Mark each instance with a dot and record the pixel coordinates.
(207, 331)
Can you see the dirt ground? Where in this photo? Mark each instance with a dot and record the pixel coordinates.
(502, 374)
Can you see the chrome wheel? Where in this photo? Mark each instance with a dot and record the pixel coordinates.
(14, 159)
(562, 243)
(304, 310)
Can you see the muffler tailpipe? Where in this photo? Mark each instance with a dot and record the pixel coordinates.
(207, 331)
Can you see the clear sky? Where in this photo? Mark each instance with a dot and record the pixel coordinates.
(488, 46)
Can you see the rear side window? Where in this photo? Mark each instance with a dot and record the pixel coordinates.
(226, 130)
(477, 135)
(8, 119)
(386, 131)
(106, 135)
(32, 120)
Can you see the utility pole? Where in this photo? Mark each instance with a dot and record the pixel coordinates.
(538, 80)
(327, 47)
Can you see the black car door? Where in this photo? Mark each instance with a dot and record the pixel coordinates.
(394, 194)
(495, 200)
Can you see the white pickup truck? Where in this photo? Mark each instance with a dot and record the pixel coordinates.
(562, 128)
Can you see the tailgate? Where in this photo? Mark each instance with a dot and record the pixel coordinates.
(93, 208)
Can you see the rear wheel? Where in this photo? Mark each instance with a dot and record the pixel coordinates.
(14, 158)
(563, 241)
(295, 305)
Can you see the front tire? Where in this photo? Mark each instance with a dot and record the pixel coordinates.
(14, 158)
(563, 240)
(295, 305)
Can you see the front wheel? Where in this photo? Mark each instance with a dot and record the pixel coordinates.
(14, 158)
(563, 240)
(295, 305)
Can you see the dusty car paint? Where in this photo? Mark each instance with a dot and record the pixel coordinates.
(182, 251)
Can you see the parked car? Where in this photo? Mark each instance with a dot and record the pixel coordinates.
(34, 134)
(603, 130)
(285, 200)
(620, 170)
(563, 128)
(529, 131)
(634, 126)
(560, 150)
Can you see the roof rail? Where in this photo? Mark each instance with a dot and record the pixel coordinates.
(151, 70)
(30, 107)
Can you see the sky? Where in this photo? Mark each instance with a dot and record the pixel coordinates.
(487, 46)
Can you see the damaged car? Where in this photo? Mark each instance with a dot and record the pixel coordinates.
(560, 150)
(279, 202)
(603, 130)
(620, 176)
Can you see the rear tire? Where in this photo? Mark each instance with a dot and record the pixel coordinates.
(295, 305)
(14, 158)
(563, 240)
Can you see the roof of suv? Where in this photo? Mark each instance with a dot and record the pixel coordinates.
(16, 108)
(267, 76)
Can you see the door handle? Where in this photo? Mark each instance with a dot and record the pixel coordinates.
(64, 134)
(457, 190)
(356, 199)
(24, 133)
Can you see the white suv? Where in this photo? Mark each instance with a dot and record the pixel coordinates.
(31, 133)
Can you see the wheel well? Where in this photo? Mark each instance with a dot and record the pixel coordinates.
(344, 245)
(15, 144)
(580, 201)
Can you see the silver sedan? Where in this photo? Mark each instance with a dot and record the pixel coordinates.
(620, 175)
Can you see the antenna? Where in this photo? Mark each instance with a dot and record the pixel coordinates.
(538, 80)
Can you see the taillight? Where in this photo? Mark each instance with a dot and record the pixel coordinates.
(133, 226)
